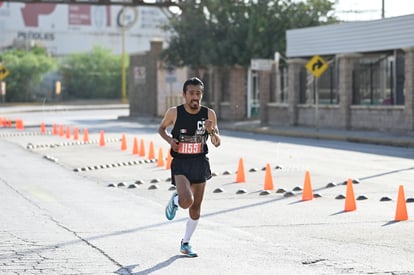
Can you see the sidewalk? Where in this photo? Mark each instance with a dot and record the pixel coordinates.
(371, 137)
(252, 126)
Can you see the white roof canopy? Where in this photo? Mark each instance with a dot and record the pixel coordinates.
(352, 37)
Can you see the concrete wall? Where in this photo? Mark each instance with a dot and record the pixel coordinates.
(379, 117)
(278, 113)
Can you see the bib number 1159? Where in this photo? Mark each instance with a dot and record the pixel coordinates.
(190, 148)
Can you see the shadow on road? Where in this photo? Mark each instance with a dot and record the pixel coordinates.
(129, 270)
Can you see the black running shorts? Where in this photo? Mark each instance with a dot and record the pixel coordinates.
(196, 170)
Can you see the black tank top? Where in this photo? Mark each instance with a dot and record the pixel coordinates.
(189, 130)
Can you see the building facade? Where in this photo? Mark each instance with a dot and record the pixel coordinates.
(368, 86)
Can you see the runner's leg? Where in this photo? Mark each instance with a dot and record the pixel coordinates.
(194, 212)
(198, 194)
(183, 188)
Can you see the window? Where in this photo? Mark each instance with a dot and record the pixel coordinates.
(280, 85)
(328, 85)
(379, 80)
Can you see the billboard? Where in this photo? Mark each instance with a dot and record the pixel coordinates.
(63, 29)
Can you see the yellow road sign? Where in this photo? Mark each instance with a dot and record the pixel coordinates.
(3, 72)
(317, 66)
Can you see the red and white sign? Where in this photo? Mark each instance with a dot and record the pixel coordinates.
(65, 29)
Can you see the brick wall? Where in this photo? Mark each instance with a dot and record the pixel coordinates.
(142, 84)
(237, 90)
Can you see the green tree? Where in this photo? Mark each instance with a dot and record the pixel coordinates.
(230, 32)
(27, 69)
(92, 75)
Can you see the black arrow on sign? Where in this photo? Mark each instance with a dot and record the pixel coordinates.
(317, 65)
(3, 71)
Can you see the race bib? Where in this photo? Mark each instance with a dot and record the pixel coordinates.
(191, 145)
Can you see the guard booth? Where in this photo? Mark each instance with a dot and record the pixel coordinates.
(171, 98)
(253, 85)
(253, 92)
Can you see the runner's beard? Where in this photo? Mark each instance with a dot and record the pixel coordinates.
(194, 105)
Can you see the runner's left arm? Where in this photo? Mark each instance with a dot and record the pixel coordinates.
(212, 128)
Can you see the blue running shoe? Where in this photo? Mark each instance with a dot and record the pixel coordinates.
(187, 250)
(171, 208)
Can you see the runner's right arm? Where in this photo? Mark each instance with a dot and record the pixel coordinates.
(168, 120)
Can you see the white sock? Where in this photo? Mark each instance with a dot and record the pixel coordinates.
(189, 229)
(176, 200)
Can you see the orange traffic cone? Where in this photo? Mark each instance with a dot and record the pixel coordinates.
(160, 162)
(268, 183)
(55, 130)
(61, 130)
(401, 212)
(350, 204)
(123, 143)
(19, 124)
(85, 135)
(75, 133)
(68, 132)
(42, 128)
(169, 159)
(307, 193)
(151, 153)
(240, 177)
(142, 148)
(102, 138)
(135, 147)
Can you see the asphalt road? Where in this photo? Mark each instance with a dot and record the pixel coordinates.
(59, 214)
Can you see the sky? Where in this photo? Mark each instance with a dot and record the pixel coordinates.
(352, 10)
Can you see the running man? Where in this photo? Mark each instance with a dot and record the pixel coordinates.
(190, 167)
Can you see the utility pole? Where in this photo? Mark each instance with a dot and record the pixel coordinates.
(383, 9)
(123, 88)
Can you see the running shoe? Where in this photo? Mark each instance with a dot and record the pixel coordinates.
(171, 208)
(187, 250)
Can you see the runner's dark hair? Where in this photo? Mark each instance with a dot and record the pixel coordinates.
(193, 81)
